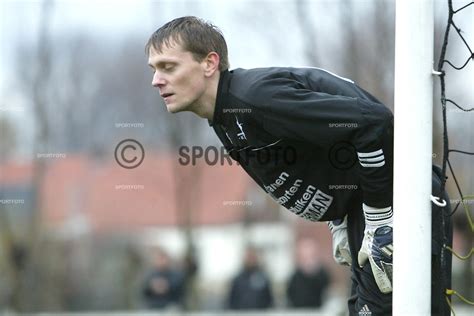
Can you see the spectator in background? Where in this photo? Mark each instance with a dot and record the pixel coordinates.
(251, 288)
(309, 282)
(164, 286)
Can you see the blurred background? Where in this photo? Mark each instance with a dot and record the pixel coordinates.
(78, 232)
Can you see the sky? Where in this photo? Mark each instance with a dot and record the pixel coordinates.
(20, 18)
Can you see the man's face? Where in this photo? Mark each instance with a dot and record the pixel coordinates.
(178, 76)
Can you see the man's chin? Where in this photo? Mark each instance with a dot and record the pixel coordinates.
(172, 108)
(175, 108)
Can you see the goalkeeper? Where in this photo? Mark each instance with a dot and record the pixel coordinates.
(321, 146)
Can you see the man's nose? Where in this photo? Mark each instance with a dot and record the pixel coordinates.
(158, 80)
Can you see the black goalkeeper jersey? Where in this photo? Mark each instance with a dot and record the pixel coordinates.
(316, 142)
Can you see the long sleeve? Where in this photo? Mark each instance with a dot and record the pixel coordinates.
(290, 108)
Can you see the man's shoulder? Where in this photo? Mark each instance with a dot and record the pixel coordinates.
(253, 76)
(258, 77)
(256, 86)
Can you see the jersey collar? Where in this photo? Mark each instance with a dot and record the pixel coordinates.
(222, 90)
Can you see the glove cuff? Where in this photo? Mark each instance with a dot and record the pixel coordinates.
(375, 217)
(337, 224)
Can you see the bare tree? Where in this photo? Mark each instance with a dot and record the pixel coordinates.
(305, 18)
(368, 47)
(8, 139)
(25, 252)
(40, 110)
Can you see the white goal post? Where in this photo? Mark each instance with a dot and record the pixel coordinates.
(413, 157)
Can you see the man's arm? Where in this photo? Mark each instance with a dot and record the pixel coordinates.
(289, 109)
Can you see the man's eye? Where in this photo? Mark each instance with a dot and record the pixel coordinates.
(169, 68)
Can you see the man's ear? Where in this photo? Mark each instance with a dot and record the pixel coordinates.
(211, 64)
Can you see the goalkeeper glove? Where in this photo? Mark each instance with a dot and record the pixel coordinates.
(377, 245)
(340, 244)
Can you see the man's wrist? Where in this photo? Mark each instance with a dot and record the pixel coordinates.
(376, 217)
